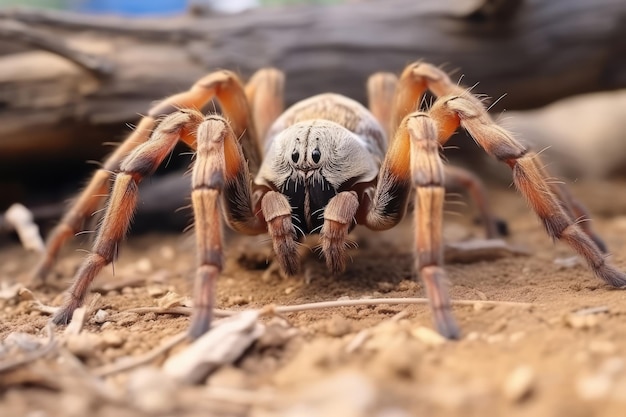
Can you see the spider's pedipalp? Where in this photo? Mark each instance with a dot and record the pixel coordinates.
(277, 214)
(338, 219)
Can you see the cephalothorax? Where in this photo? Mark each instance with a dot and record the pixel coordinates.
(323, 166)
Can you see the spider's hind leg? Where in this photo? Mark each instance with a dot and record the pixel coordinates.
(528, 176)
(265, 93)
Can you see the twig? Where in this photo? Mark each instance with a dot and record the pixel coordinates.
(153, 29)
(130, 363)
(21, 219)
(377, 301)
(18, 32)
(270, 309)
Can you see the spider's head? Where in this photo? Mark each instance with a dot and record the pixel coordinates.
(311, 145)
(319, 151)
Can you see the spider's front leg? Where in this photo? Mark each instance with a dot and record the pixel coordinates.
(122, 203)
(224, 85)
(413, 162)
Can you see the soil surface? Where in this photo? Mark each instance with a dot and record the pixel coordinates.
(563, 355)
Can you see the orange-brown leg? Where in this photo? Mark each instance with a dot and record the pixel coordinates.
(458, 177)
(381, 89)
(338, 220)
(428, 178)
(89, 199)
(222, 84)
(405, 94)
(121, 206)
(265, 92)
(219, 172)
(413, 162)
(574, 208)
(468, 112)
(277, 213)
(419, 76)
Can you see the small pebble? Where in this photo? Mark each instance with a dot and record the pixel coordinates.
(156, 291)
(83, 344)
(385, 287)
(428, 336)
(472, 336)
(517, 336)
(144, 266)
(100, 316)
(167, 253)
(112, 339)
(236, 300)
(519, 384)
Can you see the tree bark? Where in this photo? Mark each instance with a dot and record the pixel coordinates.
(87, 77)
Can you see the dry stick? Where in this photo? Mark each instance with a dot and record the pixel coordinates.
(140, 28)
(156, 352)
(16, 31)
(126, 364)
(270, 309)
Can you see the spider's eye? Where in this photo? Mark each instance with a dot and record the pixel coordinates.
(316, 155)
(295, 156)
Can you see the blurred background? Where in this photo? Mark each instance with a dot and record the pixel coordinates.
(75, 75)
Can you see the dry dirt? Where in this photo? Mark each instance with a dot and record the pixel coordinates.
(555, 358)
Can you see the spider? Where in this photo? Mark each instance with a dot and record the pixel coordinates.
(327, 164)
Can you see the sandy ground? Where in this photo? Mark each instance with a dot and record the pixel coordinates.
(556, 357)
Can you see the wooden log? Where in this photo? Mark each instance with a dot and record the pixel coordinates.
(59, 105)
